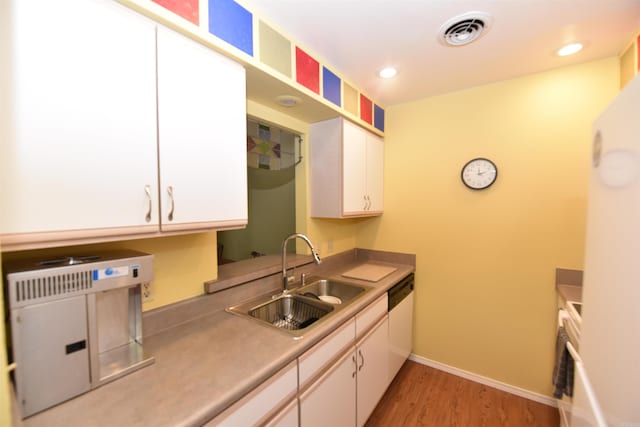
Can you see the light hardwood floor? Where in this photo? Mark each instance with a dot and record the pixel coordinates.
(424, 396)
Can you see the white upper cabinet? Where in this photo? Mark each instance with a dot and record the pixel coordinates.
(347, 164)
(375, 174)
(84, 152)
(115, 136)
(354, 168)
(202, 136)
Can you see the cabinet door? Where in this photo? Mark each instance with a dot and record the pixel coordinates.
(354, 169)
(287, 417)
(373, 369)
(331, 400)
(375, 173)
(262, 404)
(50, 345)
(202, 136)
(84, 152)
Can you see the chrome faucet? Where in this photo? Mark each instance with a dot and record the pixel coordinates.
(316, 257)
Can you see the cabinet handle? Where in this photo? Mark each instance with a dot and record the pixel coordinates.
(366, 202)
(355, 365)
(147, 189)
(362, 358)
(170, 191)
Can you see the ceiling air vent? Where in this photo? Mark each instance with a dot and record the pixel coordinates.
(464, 29)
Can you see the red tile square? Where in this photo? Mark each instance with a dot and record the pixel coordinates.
(307, 71)
(188, 9)
(366, 109)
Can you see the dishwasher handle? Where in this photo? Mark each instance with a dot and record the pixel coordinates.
(400, 291)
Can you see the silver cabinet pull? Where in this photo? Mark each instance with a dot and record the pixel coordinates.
(355, 365)
(147, 189)
(361, 358)
(170, 192)
(367, 202)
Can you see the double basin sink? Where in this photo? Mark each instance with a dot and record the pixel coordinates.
(297, 310)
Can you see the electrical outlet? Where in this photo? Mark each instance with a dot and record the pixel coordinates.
(147, 292)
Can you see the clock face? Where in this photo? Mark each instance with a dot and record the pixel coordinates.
(479, 173)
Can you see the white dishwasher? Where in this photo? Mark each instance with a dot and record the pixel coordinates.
(400, 323)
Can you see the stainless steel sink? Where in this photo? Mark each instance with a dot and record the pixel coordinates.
(294, 312)
(290, 313)
(344, 292)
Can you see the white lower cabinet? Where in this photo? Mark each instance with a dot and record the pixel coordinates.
(373, 369)
(349, 380)
(286, 417)
(273, 403)
(331, 399)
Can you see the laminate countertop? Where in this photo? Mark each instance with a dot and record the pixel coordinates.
(570, 292)
(203, 366)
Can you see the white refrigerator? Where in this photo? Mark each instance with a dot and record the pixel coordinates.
(610, 343)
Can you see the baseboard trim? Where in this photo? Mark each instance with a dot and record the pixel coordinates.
(536, 397)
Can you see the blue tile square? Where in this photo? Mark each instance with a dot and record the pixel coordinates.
(331, 85)
(378, 118)
(232, 23)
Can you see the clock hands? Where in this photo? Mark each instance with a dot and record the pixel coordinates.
(479, 173)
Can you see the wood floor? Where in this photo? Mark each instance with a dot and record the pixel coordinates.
(424, 396)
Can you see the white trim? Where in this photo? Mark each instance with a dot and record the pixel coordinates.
(536, 397)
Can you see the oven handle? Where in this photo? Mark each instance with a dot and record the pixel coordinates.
(579, 366)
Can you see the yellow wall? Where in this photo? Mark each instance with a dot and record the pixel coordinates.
(486, 301)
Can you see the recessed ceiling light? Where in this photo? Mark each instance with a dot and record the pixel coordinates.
(569, 49)
(388, 72)
(288, 100)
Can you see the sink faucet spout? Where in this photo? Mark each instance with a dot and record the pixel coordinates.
(316, 257)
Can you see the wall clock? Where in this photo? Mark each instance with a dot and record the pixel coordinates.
(479, 173)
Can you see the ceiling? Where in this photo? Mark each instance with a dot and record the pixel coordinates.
(356, 38)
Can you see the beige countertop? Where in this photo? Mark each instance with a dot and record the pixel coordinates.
(570, 292)
(569, 284)
(205, 365)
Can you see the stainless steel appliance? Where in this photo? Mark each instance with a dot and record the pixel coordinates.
(400, 323)
(75, 324)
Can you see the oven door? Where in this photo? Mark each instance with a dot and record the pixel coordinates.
(565, 405)
(583, 410)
